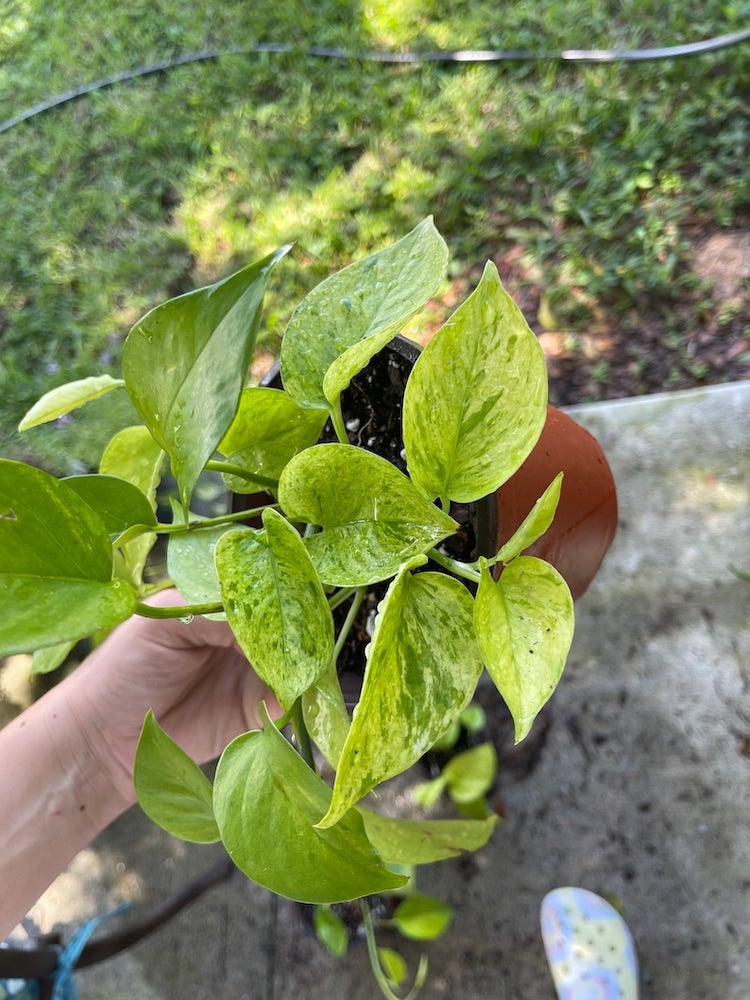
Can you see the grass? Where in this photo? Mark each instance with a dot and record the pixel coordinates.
(114, 202)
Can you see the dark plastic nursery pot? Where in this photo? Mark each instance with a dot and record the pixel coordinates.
(586, 519)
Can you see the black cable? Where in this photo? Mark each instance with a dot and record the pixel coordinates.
(389, 58)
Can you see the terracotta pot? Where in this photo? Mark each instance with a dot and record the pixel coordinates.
(586, 518)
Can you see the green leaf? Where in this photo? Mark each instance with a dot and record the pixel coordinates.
(470, 774)
(331, 930)
(428, 793)
(133, 454)
(325, 715)
(474, 718)
(421, 842)
(268, 430)
(56, 569)
(191, 562)
(171, 788)
(524, 624)
(184, 365)
(44, 661)
(266, 800)
(422, 918)
(373, 519)
(393, 965)
(276, 605)
(350, 316)
(57, 402)
(535, 523)
(476, 400)
(117, 502)
(423, 665)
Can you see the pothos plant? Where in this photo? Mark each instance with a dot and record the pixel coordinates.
(337, 520)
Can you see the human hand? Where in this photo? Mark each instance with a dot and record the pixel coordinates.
(194, 677)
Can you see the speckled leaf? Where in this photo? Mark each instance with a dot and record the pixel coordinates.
(118, 503)
(476, 399)
(134, 455)
(56, 569)
(373, 519)
(349, 317)
(266, 800)
(57, 402)
(171, 788)
(268, 430)
(276, 605)
(524, 624)
(184, 365)
(535, 523)
(420, 842)
(423, 665)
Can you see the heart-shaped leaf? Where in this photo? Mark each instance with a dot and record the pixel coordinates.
(276, 605)
(349, 317)
(524, 624)
(56, 569)
(184, 365)
(117, 502)
(373, 519)
(171, 788)
(476, 399)
(422, 918)
(134, 455)
(420, 842)
(470, 774)
(266, 800)
(268, 430)
(57, 402)
(423, 665)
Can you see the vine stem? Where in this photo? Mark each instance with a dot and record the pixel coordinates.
(230, 469)
(465, 570)
(337, 419)
(359, 596)
(211, 522)
(377, 968)
(301, 735)
(181, 611)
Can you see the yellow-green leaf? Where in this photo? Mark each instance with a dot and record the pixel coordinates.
(57, 402)
(423, 666)
(476, 400)
(524, 624)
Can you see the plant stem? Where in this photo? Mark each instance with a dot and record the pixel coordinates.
(465, 570)
(301, 735)
(181, 611)
(337, 419)
(211, 522)
(340, 596)
(359, 596)
(377, 969)
(230, 469)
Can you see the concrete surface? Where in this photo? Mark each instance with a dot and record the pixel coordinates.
(642, 790)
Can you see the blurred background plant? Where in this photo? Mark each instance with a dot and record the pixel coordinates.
(596, 188)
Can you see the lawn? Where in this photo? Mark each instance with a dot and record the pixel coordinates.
(587, 183)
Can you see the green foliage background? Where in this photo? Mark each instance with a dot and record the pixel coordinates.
(112, 203)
